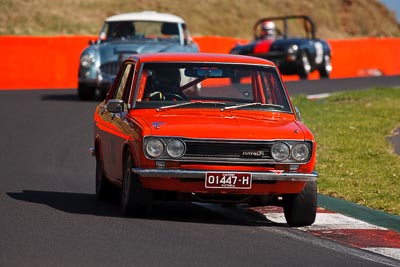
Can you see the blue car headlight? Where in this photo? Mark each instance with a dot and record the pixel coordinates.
(292, 53)
(293, 49)
(87, 60)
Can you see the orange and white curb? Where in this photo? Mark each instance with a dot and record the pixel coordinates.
(345, 230)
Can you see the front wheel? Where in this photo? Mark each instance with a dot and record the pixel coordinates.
(305, 66)
(135, 200)
(301, 209)
(326, 68)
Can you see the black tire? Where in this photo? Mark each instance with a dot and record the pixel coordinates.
(86, 92)
(305, 66)
(104, 189)
(135, 200)
(326, 68)
(301, 209)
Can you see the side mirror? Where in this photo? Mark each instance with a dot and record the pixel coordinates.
(115, 106)
(297, 113)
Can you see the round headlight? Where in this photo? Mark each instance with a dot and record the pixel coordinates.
(300, 152)
(280, 151)
(176, 148)
(293, 49)
(87, 60)
(155, 147)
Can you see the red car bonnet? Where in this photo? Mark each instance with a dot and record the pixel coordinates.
(209, 124)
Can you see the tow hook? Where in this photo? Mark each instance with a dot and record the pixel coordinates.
(92, 151)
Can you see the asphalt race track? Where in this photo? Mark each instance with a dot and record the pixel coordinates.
(49, 215)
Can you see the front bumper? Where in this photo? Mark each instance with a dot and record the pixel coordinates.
(201, 174)
(94, 78)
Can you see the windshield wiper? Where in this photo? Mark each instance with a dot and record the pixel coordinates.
(189, 103)
(253, 104)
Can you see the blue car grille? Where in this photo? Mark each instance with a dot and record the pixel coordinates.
(110, 68)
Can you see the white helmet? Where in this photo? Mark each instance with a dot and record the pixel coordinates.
(268, 29)
(268, 25)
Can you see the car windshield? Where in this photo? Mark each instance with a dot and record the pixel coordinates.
(291, 27)
(222, 86)
(146, 30)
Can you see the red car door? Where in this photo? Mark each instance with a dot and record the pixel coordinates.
(115, 129)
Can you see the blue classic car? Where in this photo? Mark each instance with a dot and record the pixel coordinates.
(290, 42)
(123, 35)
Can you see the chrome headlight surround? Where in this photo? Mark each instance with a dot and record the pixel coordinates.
(300, 152)
(176, 148)
(280, 151)
(291, 151)
(87, 60)
(164, 148)
(155, 147)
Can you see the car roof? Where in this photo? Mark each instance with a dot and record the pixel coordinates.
(146, 16)
(200, 57)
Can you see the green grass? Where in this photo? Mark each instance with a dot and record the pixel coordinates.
(355, 160)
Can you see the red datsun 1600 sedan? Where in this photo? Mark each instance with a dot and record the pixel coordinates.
(174, 126)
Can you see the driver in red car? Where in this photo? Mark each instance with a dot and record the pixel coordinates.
(165, 85)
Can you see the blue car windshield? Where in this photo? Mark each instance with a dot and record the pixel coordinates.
(146, 30)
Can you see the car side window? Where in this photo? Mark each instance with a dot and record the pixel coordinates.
(275, 92)
(124, 83)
